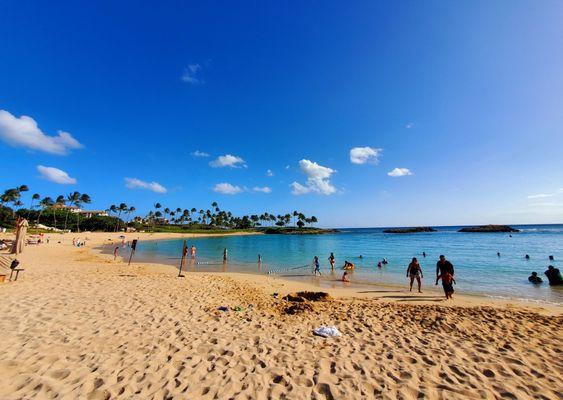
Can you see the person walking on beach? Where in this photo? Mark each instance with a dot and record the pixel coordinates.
(331, 260)
(447, 283)
(414, 271)
(443, 266)
(317, 266)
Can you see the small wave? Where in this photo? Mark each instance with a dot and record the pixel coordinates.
(541, 230)
(525, 300)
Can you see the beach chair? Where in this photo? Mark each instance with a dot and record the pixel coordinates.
(14, 268)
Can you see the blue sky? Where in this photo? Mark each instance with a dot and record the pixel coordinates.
(466, 96)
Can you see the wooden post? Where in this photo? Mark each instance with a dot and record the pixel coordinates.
(133, 248)
(184, 252)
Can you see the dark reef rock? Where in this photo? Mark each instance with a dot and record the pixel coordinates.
(410, 230)
(489, 228)
(296, 231)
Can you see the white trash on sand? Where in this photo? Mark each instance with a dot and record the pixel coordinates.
(327, 331)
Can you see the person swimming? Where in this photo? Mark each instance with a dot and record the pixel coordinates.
(424, 254)
(527, 257)
(534, 278)
(498, 254)
(551, 258)
(379, 265)
(384, 261)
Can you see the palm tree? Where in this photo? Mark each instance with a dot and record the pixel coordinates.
(122, 208)
(157, 206)
(59, 201)
(166, 212)
(36, 196)
(72, 198)
(130, 211)
(82, 199)
(44, 203)
(314, 220)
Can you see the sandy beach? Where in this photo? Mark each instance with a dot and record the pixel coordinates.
(78, 324)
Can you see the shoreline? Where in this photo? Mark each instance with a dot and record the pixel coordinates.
(431, 293)
(361, 290)
(98, 241)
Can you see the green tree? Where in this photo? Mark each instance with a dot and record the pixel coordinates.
(44, 204)
(36, 196)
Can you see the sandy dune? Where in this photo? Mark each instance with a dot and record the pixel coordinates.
(79, 325)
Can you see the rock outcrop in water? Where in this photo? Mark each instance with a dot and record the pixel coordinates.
(410, 230)
(489, 229)
(296, 231)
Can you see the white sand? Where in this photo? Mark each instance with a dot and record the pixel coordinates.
(80, 325)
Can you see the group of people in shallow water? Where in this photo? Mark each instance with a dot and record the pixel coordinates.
(553, 277)
(444, 272)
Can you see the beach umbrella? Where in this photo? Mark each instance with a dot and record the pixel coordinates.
(21, 230)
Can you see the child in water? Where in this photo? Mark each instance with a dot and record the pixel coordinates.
(345, 277)
(317, 266)
(447, 283)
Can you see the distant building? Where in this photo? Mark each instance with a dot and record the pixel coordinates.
(89, 213)
(83, 213)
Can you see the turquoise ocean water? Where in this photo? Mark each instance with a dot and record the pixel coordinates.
(478, 268)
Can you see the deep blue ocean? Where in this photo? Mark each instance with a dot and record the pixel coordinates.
(478, 268)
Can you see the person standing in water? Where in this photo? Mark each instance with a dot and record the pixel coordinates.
(447, 283)
(331, 260)
(192, 251)
(415, 272)
(553, 276)
(443, 266)
(316, 265)
(225, 255)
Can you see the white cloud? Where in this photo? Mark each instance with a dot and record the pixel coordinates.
(269, 173)
(198, 153)
(227, 188)
(287, 167)
(191, 74)
(24, 132)
(540, 195)
(396, 172)
(409, 125)
(228, 160)
(264, 189)
(363, 155)
(134, 183)
(546, 195)
(55, 175)
(318, 179)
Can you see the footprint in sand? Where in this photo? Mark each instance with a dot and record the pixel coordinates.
(60, 374)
